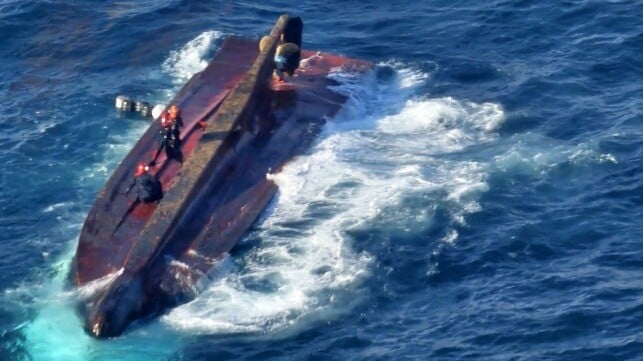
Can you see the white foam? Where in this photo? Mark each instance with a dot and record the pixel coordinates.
(56, 333)
(365, 172)
(405, 77)
(599, 39)
(584, 154)
(191, 58)
(55, 206)
(89, 290)
(451, 123)
(535, 155)
(380, 164)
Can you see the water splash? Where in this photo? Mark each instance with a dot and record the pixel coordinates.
(56, 332)
(192, 57)
(379, 164)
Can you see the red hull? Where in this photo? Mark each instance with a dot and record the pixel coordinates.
(104, 248)
(213, 199)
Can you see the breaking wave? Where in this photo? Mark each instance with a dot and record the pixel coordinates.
(379, 164)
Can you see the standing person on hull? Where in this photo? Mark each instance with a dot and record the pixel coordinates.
(172, 123)
(172, 118)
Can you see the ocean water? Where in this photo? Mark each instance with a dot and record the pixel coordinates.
(480, 197)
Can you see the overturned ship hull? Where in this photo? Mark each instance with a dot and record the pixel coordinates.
(158, 252)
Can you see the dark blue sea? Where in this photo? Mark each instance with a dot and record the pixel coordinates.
(480, 197)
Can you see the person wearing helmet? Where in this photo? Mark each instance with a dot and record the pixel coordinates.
(170, 135)
(148, 187)
(288, 53)
(172, 118)
(171, 142)
(286, 59)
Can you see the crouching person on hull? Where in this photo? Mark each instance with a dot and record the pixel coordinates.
(148, 187)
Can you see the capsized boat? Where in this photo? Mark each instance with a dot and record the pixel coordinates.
(154, 254)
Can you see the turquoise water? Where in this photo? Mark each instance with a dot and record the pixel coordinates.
(480, 196)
